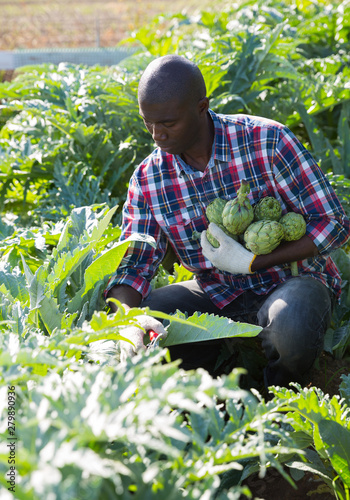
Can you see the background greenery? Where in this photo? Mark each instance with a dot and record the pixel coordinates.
(70, 137)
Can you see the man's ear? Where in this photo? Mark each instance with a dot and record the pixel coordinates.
(203, 105)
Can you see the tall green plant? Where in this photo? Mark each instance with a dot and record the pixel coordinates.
(322, 427)
(66, 287)
(68, 139)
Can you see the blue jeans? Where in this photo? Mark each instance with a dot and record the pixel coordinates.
(294, 317)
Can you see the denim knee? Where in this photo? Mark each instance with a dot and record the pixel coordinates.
(294, 318)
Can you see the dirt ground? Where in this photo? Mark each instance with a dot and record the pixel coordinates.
(275, 487)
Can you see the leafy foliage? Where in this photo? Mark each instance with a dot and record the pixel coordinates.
(70, 136)
(63, 138)
(124, 431)
(323, 424)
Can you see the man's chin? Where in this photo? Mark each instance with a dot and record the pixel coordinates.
(168, 149)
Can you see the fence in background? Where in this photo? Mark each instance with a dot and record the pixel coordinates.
(90, 56)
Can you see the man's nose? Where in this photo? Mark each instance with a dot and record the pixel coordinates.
(158, 132)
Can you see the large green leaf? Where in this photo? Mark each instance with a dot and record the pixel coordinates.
(216, 327)
(98, 230)
(336, 439)
(344, 388)
(13, 283)
(50, 313)
(107, 263)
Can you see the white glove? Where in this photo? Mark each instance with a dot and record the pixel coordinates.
(231, 256)
(135, 334)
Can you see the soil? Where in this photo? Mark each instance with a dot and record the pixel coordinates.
(274, 487)
(326, 376)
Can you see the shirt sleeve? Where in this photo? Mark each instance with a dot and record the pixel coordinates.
(306, 190)
(141, 260)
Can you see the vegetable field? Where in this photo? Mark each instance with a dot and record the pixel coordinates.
(75, 422)
(37, 24)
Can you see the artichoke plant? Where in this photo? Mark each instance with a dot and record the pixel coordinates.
(238, 213)
(268, 208)
(294, 227)
(263, 236)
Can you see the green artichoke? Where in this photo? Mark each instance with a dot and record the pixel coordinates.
(214, 210)
(214, 214)
(294, 226)
(213, 241)
(263, 236)
(268, 208)
(238, 213)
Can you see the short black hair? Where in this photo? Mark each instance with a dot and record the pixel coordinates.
(171, 77)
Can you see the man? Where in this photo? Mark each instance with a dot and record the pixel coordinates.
(201, 156)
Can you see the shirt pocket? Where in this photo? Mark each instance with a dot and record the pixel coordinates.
(183, 227)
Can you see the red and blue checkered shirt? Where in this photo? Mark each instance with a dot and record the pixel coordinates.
(167, 199)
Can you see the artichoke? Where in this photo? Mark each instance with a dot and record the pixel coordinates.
(268, 208)
(294, 227)
(263, 236)
(214, 214)
(214, 210)
(238, 213)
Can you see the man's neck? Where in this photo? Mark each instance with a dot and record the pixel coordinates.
(198, 157)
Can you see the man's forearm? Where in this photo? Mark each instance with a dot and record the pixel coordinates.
(285, 253)
(127, 295)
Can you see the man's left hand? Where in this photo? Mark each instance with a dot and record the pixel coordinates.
(231, 256)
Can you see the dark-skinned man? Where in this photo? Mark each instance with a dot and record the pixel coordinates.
(200, 156)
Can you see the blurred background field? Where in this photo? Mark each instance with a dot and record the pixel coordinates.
(65, 24)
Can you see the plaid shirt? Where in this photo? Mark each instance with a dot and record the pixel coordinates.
(167, 199)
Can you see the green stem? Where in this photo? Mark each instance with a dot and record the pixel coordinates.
(294, 268)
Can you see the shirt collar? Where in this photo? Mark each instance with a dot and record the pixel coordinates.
(222, 144)
(221, 147)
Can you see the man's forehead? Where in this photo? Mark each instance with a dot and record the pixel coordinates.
(165, 111)
(156, 105)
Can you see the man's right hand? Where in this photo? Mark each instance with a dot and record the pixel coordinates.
(136, 333)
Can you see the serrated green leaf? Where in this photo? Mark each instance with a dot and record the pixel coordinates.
(107, 263)
(65, 265)
(27, 357)
(318, 469)
(63, 240)
(216, 327)
(50, 313)
(98, 231)
(37, 287)
(336, 440)
(14, 284)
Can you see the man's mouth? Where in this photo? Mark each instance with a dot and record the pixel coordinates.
(164, 147)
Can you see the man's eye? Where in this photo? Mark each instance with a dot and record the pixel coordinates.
(169, 124)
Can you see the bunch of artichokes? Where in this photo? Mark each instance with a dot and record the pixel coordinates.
(262, 227)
